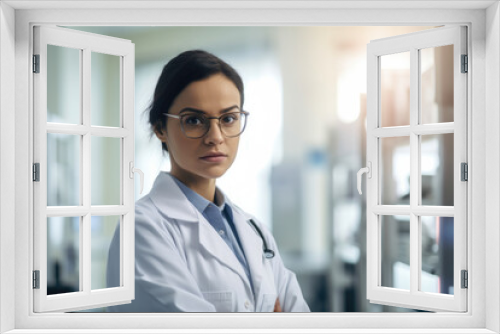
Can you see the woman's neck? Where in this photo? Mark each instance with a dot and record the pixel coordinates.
(202, 186)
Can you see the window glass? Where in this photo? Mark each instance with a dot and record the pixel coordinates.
(63, 85)
(103, 228)
(106, 157)
(395, 170)
(63, 255)
(105, 86)
(437, 169)
(395, 252)
(63, 169)
(436, 85)
(395, 89)
(437, 254)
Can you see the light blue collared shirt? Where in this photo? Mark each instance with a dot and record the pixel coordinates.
(226, 228)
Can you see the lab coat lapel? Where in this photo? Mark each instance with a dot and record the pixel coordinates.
(172, 202)
(212, 242)
(252, 246)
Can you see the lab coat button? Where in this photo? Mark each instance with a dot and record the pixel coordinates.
(247, 304)
(221, 232)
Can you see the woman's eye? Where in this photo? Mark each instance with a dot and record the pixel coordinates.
(193, 120)
(229, 119)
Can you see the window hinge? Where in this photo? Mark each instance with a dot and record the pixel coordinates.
(36, 63)
(465, 64)
(36, 279)
(464, 171)
(36, 172)
(465, 279)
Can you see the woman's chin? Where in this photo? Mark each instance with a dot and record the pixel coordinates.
(216, 175)
(214, 172)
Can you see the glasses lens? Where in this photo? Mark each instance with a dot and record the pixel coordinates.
(194, 125)
(232, 124)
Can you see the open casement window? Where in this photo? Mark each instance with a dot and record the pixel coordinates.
(83, 168)
(416, 164)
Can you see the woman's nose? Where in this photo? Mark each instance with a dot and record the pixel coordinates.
(214, 134)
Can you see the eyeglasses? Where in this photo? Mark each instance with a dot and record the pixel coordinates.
(195, 125)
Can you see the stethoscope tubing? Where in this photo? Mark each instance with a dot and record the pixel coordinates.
(268, 253)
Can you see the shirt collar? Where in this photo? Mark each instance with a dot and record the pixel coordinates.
(199, 202)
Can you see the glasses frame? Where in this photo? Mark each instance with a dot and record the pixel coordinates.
(246, 113)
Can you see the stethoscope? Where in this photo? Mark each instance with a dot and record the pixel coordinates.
(268, 253)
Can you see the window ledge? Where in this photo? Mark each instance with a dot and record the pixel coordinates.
(259, 331)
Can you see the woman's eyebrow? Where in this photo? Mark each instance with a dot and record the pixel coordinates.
(203, 112)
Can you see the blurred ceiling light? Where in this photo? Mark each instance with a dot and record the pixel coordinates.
(351, 84)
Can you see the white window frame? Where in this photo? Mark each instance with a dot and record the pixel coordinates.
(483, 21)
(412, 43)
(86, 44)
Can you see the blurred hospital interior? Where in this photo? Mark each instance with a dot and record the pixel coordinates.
(305, 89)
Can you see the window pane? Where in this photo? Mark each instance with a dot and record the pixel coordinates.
(395, 252)
(63, 254)
(395, 170)
(437, 169)
(437, 254)
(105, 104)
(63, 85)
(106, 171)
(436, 66)
(103, 229)
(395, 89)
(63, 169)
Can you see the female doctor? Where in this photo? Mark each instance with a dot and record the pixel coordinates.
(195, 250)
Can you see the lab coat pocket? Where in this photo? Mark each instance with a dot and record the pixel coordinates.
(223, 301)
(268, 302)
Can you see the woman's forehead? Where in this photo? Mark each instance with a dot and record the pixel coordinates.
(210, 95)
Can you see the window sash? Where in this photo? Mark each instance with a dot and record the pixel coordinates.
(413, 298)
(87, 43)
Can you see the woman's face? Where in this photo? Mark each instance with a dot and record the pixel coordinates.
(190, 157)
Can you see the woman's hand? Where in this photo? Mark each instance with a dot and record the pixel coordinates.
(277, 306)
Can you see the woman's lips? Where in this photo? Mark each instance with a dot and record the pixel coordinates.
(214, 158)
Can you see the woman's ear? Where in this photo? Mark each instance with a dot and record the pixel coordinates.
(161, 133)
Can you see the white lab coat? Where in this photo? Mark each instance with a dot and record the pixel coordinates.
(183, 265)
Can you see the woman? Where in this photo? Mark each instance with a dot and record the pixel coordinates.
(196, 251)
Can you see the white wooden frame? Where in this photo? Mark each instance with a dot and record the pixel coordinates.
(86, 43)
(484, 144)
(413, 43)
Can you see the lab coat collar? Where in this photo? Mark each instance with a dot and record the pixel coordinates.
(170, 200)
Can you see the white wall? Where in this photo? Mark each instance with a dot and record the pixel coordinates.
(7, 65)
(492, 165)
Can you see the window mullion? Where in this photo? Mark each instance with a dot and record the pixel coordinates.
(85, 250)
(434, 129)
(414, 170)
(75, 129)
(68, 129)
(391, 209)
(438, 211)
